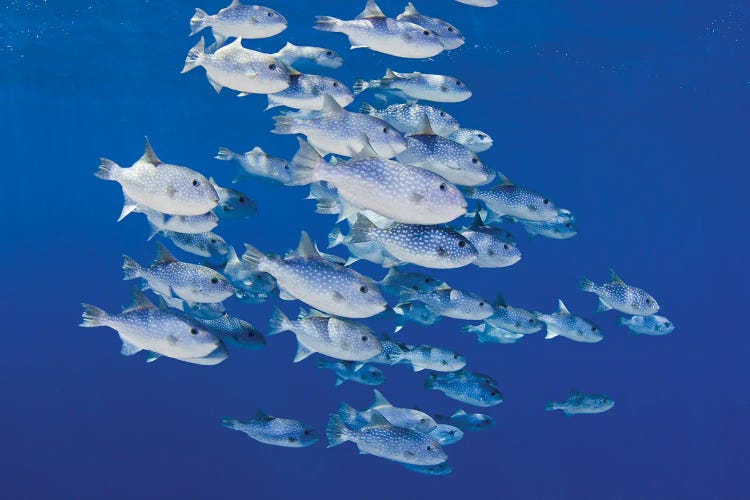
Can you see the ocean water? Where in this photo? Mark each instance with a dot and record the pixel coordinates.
(632, 114)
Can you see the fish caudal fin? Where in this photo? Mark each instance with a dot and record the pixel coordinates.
(284, 125)
(586, 285)
(195, 56)
(602, 306)
(359, 87)
(92, 316)
(337, 432)
(623, 320)
(225, 154)
(253, 257)
(304, 164)
(230, 423)
(327, 23)
(130, 268)
(550, 406)
(198, 21)
(107, 169)
(335, 237)
(278, 322)
(366, 109)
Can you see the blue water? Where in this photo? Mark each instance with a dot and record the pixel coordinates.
(631, 114)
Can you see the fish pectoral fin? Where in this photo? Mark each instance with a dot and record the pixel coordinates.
(337, 297)
(284, 295)
(551, 334)
(302, 352)
(216, 85)
(602, 306)
(152, 356)
(250, 74)
(416, 198)
(129, 349)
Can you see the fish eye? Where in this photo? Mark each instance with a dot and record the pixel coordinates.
(531, 320)
(462, 243)
(307, 432)
(196, 182)
(214, 280)
(455, 356)
(364, 338)
(194, 331)
(329, 52)
(667, 324)
(426, 32)
(270, 14)
(481, 136)
(648, 301)
(493, 393)
(505, 246)
(481, 304)
(545, 201)
(241, 199)
(429, 448)
(593, 328)
(335, 84)
(213, 240)
(475, 160)
(567, 224)
(272, 66)
(385, 130)
(250, 334)
(442, 113)
(459, 82)
(286, 166)
(450, 28)
(442, 186)
(363, 289)
(422, 420)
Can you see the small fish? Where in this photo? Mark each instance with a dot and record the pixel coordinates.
(191, 282)
(144, 327)
(476, 140)
(647, 325)
(235, 67)
(290, 54)
(516, 201)
(198, 309)
(307, 91)
(439, 359)
(414, 312)
(418, 86)
(391, 351)
(562, 323)
(251, 287)
(449, 35)
(489, 333)
(494, 248)
(446, 434)
(616, 294)
(411, 118)
(467, 421)
(186, 224)
(579, 403)
(326, 286)
(406, 418)
(356, 372)
(395, 281)
(394, 190)
(449, 159)
(372, 251)
(241, 21)
(371, 29)
(452, 303)
(479, 3)
(513, 319)
(273, 430)
(466, 387)
(442, 469)
(433, 246)
(170, 189)
(384, 440)
(334, 337)
(217, 356)
(209, 245)
(236, 332)
(233, 204)
(559, 228)
(338, 131)
(257, 164)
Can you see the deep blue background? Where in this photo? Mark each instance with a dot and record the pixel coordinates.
(632, 114)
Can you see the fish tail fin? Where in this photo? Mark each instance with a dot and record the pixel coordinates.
(130, 268)
(361, 230)
(327, 23)
(230, 423)
(469, 192)
(337, 432)
(322, 363)
(304, 164)
(335, 237)
(284, 125)
(195, 55)
(154, 230)
(279, 322)
(366, 109)
(253, 257)
(360, 86)
(92, 316)
(198, 21)
(327, 206)
(622, 320)
(225, 154)
(550, 406)
(107, 169)
(586, 285)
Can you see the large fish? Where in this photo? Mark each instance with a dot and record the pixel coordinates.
(238, 20)
(564, 324)
(307, 91)
(449, 35)
(616, 294)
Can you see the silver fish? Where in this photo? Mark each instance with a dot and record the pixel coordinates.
(579, 403)
(418, 86)
(186, 224)
(412, 118)
(442, 469)
(372, 251)
(236, 332)
(479, 3)
(446, 434)
(235, 67)
(326, 286)
(561, 227)
(371, 29)
(170, 189)
(291, 54)
(395, 281)
(467, 421)
(475, 140)
(351, 370)
(233, 204)
(616, 294)
(209, 245)
(275, 431)
(257, 164)
(466, 387)
(647, 325)
(513, 319)
(406, 418)
(492, 244)
(562, 323)
(414, 312)
(516, 201)
(439, 359)
(450, 36)
(238, 20)
(489, 333)
(307, 91)
(452, 303)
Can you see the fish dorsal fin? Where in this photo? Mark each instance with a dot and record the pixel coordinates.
(477, 222)
(380, 400)
(410, 10)
(330, 105)
(163, 256)
(290, 70)
(213, 183)
(561, 308)
(262, 415)
(139, 301)
(148, 154)
(389, 74)
(575, 392)
(235, 3)
(425, 127)
(306, 247)
(377, 420)
(367, 150)
(614, 278)
(237, 41)
(504, 181)
(454, 294)
(312, 313)
(257, 150)
(392, 273)
(460, 413)
(288, 46)
(499, 301)
(443, 286)
(371, 10)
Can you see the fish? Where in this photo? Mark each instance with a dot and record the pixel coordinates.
(372, 251)
(517, 201)
(328, 287)
(372, 29)
(442, 469)
(236, 332)
(384, 440)
(394, 190)
(412, 118)
(476, 140)
(144, 327)
(450, 36)
(166, 188)
(486, 332)
(185, 224)
(493, 246)
(334, 337)
(479, 3)
(351, 370)
(338, 131)
(562, 323)
(433, 246)
(257, 164)
(439, 359)
(561, 227)
(513, 319)
(391, 351)
(250, 286)
(446, 434)
(449, 159)
(579, 403)
(465, 387)
(647, 325)
(276, 431)
(217, 356)
(167, 276)
(467, 421)
(209, 244)
(291, 54)
(413, 312)
(233, 204)
(198, 309)
(406, 418)
(237, 68)
(238, 20)
(452, 303)
(307, 91)
(616, 294)
(418, 86)
(395, 281)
